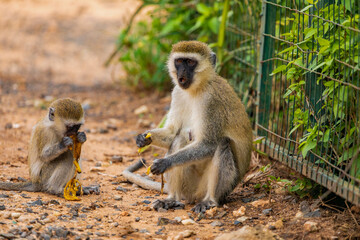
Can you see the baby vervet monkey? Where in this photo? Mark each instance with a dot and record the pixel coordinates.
(207, 133)
(50, 160)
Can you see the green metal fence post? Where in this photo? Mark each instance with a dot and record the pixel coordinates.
(268, 19)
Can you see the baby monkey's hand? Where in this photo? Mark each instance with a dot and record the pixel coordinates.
(81, 137)
(143, 140)
(67, 141)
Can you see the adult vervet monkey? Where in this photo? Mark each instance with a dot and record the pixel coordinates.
(207, 133)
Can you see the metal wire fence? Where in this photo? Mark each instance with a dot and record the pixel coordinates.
(308, 84)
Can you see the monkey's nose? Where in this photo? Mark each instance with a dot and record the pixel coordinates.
(182, 80)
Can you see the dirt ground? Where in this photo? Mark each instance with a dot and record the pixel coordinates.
(54, 49)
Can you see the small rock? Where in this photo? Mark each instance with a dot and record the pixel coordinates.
(4, 196)
(304, 206)
(163, 221)
(103, 131)
(216, 224)
(89, 226)
(98, 164)
(48, 220)
(125, 213)
(36, 203)
(240, 212)
(143, 231)
(137, 219)
(119, 188)
(2, 207)
(267, 211)
(97, 169)
(116, 159)
(310, 226)
(313, 214)
(115, 224)
(299, 214)
(141, 110)
(117, 198)
(184, 234)
(162, 210)
(8, 126)
(15, 215)
(242, 219)
(272, 227)
(188, 221)
(111, 127)
(279, 224)
(178, 219)
(6, 215)
(159, 231)
(261, 202)
(146, 201)
(211, 212)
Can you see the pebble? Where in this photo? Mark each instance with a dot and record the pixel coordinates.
(299, 214)
(141, 110)
(211, 212)
(36, 203)
(119, 188)
(178, 219)
(267, 211)
(97, 169)
(242, 219)
(146, 201)
(240, 212)
(313, 214)
(310, 226)
(261, 202)
(2, 207)
(15, 215)
(115, 224)
(184, 234)
(117, 198)
(98, 164)
(143, 231)
(137, 219)
(116, 159)
(188, 221)
(279, 224)
(4, 196)
(216, 224)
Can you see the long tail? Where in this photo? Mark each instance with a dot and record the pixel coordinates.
(23, 186)
(138, 180)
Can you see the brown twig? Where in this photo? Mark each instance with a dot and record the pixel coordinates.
(352, 215)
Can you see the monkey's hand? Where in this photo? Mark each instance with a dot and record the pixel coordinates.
(142, 140)
(159, 166)
(67, 141)
(81, 137)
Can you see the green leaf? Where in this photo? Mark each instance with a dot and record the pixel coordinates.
(323, 42)
(348, 154)
(310, 1)
(310, 33)
(278, 69)
(306, 8)
(307, 147)
(203, 9)
(214, 25)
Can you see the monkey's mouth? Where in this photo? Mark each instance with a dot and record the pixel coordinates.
(72, 130)
(184, 82)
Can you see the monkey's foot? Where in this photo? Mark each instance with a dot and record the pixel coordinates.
(92, 189)
(203, 206)
(168, 204)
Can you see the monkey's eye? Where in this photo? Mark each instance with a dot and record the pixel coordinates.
(178, 61)
(191, 62)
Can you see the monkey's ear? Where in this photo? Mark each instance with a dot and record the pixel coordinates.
(51, 113)
(213, 59)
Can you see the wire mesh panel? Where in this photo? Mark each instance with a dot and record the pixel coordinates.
(309, 90)
(240, 64)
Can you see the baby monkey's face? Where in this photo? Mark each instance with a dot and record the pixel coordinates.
(72, 129)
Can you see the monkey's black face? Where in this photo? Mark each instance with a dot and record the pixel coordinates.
(185, 69)
(72, 129)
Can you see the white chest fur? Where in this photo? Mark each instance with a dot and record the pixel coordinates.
(187, 114)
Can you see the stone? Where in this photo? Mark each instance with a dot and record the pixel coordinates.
(314, 214)
(116, 159)
(119, 188)
(216, 224)
(115, 224)
(267, 211)
(279, 224)
(249, 233)
(118, 198)
(242, 219)
(141, 110)
(184, 234)
(97, 169)
(211, 212)
(310, 226)
(137, 219)
(261, 202)
(299, 214)
(240, 212)
(2, 207)
(188, 221)
(178, 219)
(15, 215)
